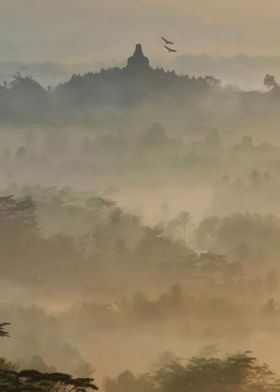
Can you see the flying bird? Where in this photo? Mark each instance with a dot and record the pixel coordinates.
(170, 50)
(167, 42)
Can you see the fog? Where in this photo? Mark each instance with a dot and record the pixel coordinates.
(244, 71)
(139, 224)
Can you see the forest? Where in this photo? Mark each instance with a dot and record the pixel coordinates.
(139, 233)
(112, 93)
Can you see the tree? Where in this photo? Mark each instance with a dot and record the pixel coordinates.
(270, 82)
(13, 380)
(213, 82)
(128, 382)
(256, 179)
(3, 332)
(235, 373)
(35, 381)
(180, 224)
(17, 216)
(19, 231)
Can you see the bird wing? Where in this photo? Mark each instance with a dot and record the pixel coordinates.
(169, 49)
(167, 41)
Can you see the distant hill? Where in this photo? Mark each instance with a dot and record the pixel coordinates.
(244, 71)
(134, 85)
(25, 99)
(131, 84)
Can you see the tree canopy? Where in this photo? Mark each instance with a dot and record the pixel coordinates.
(14, 380)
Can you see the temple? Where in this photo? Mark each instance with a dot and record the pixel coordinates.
(135, 82)
(138, 62)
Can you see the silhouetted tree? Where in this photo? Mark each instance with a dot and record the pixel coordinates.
(3, 332)
(128, 382)
(12, 380)
(236, 373)
(269, 81)
(35, 381)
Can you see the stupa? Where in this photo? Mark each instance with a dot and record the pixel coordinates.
(138, 62)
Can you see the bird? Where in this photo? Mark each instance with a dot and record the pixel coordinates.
(167, 42)
(169, 49)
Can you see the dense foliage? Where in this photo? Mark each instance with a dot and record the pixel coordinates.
(14, 380)
(234, 373)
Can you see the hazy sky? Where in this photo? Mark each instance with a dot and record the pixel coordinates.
(99, 30)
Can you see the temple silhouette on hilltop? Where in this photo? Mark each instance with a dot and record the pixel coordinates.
(136, 82)
(138, 62)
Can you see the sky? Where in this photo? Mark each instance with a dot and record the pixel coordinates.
(106, 30)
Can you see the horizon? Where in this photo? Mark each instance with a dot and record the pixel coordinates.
(244, 71)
